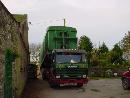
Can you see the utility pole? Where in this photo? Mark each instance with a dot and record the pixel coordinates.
(64, 22)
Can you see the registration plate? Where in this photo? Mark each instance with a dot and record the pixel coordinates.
(66, 84)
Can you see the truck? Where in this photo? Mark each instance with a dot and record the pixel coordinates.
(126, 79)
(62, 63)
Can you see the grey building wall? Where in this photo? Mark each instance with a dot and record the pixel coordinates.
(13, 36)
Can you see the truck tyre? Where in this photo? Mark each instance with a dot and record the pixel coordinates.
(44, 77)
(53, 85)
(125, 84)
(79, 84)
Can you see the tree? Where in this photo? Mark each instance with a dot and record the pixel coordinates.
(103, 48)
(95, 57)
(125, 42)
(34, 52)
(116, 54)
(86, 44)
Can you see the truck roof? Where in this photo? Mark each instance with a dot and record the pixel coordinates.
(64, 28)
(70, 50)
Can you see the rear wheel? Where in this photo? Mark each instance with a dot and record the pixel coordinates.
(125, 84)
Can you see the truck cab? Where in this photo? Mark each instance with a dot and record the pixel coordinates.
(126, 79)
(69, 67)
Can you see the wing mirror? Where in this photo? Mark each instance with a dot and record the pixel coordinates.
(53, 60)
(129, 68)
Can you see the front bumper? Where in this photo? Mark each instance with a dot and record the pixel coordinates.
(69, 81)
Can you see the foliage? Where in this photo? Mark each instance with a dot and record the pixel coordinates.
(103, 48)
(19, 17)
(103, 58)
(125, 42)
(100, 57)
(10, 57)
(85, 43)
(126, 64)
(108, 61)
(34, 52)
(95, 57)
(116, 55)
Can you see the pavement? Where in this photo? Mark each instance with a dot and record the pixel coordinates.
(102, 88)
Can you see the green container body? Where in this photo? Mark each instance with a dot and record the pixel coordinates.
(58, 37)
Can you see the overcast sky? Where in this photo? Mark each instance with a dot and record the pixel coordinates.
(101, 20)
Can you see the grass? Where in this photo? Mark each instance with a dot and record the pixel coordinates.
(20, 17)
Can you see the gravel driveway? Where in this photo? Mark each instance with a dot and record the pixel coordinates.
(102, 88)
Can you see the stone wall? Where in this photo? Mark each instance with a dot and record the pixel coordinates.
(1, 72)
(14, 37)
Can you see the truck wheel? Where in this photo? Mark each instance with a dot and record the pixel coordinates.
(79, 84)
(125, 84)
(44, 77)
(53, 85)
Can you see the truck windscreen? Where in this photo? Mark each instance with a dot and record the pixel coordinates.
(70, 57)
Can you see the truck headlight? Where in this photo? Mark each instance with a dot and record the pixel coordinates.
(58, 76)
(84, 76)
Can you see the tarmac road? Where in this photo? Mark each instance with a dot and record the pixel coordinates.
(102, 88)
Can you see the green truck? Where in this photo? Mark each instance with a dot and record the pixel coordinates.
(62, 63)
